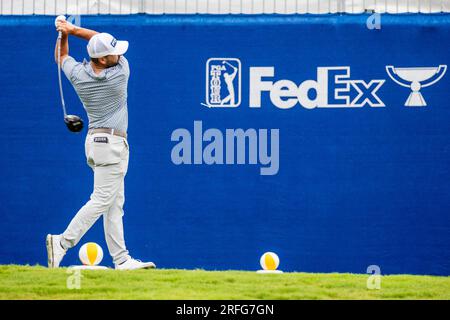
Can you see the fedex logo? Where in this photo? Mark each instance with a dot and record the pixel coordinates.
(332, 89)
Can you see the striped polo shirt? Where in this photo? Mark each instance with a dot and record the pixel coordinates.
(104, 95)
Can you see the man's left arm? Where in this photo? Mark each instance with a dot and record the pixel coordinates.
(83, 33)
(67, 28)
(64, 43)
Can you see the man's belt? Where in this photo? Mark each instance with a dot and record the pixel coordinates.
(108, 130)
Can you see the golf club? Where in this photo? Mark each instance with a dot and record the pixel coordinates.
(74, 123)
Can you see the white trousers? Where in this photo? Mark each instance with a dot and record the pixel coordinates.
(108, 156)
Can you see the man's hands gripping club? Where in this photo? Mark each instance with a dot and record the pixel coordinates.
(63, 26)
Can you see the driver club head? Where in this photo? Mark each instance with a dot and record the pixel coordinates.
(74, 123)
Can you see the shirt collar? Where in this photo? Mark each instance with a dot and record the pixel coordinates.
(91, 72)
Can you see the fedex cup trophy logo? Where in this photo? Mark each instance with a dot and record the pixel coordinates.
(223, 83)
(416, 79)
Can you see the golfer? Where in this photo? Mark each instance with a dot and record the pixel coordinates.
(229, 78)
(101, 85)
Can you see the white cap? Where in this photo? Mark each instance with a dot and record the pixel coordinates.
(104, 44)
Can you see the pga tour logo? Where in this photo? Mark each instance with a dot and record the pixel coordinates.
(223, 83)
(333, 87)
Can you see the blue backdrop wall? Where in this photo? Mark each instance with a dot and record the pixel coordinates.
(362, 182)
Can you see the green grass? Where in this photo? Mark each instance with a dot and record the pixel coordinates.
(37, 282)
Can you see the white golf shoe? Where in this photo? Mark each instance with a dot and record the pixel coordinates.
(133, 264)
(55, 252)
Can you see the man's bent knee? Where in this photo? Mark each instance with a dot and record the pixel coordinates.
(102, 203)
